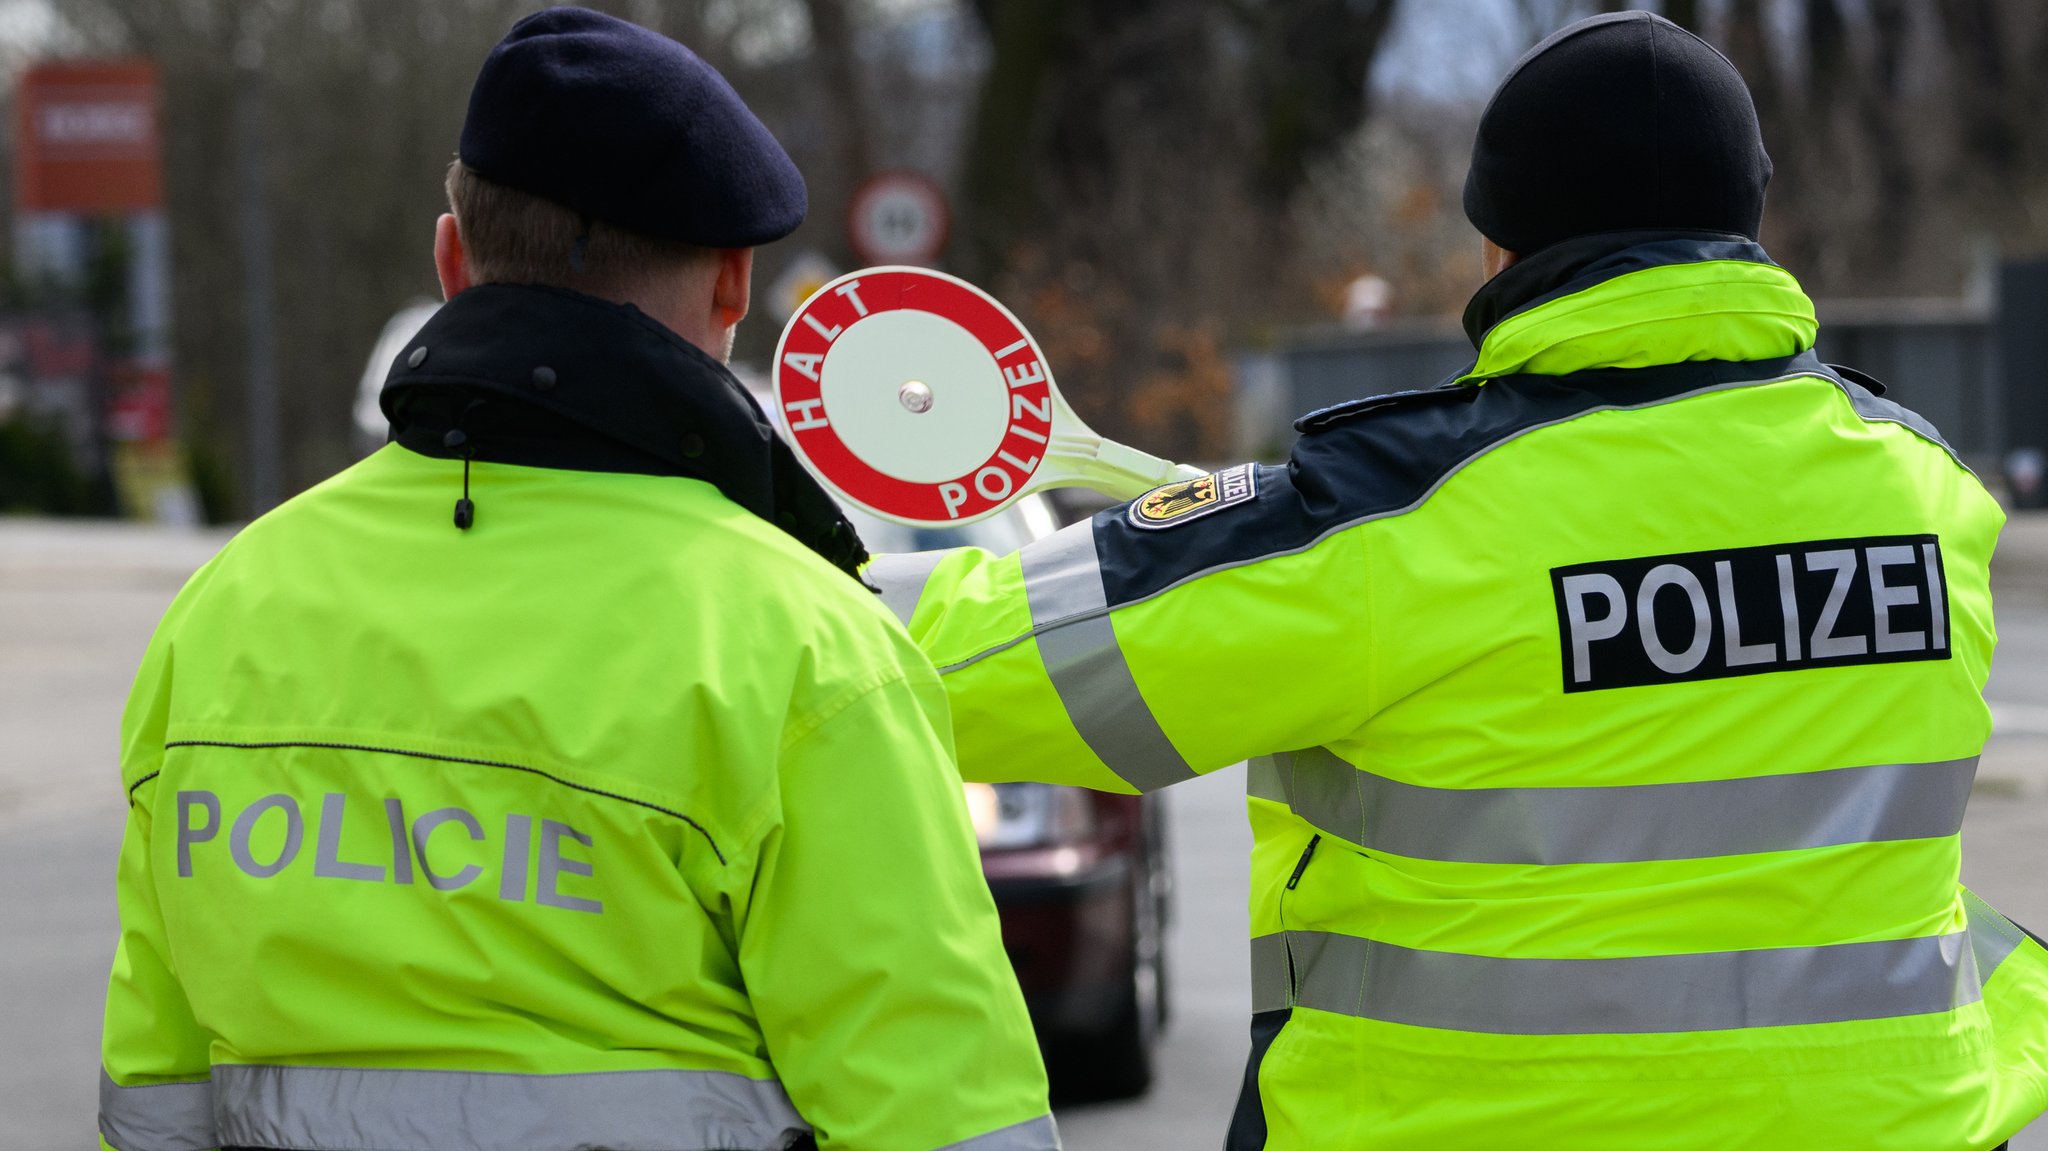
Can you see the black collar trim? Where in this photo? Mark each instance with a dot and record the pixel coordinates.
(546, 377)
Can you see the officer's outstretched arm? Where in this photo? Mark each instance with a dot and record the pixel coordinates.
(155, 1088)
(870, 945)
(1155, 642)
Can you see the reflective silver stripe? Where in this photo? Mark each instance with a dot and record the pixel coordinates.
(902, 577)
(1263, 780)
(1707, 991)
(157, 1116)
(1094, 683)
(1879, 803)
(1992, 936)
(1269, 972)
(1038, 1134)
(1063, 575)
(262, 1106)
(1069, 614)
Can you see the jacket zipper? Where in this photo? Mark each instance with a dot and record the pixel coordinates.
(1293, 881)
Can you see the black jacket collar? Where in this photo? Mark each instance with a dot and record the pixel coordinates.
(1579, 263)
(550, 378)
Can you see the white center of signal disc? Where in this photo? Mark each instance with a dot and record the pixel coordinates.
(863, 379)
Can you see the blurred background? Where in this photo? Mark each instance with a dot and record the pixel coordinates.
(1213, 215)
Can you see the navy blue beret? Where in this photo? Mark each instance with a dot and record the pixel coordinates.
(629, 127)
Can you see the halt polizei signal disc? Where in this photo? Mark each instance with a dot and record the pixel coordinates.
(919, 398)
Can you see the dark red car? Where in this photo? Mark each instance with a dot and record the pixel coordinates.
(1081, 881)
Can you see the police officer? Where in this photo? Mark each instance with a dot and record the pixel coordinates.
(613, 813)
(1617, 703)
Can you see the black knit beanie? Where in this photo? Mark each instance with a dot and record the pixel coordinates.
(1622, 121)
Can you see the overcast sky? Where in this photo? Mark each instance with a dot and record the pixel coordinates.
(1450, 49)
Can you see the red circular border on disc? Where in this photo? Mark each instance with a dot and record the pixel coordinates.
(806, 349)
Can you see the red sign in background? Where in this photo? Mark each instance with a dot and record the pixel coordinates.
(898, 218)
(88, 138)
(806, 348)
(138, 403)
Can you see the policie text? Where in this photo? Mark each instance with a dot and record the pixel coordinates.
(199, 821)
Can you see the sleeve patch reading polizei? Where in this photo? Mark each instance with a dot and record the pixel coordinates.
(1745, 611)
(1185, 500)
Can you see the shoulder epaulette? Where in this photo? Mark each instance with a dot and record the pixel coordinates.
(1349, 410)
(1857, 376)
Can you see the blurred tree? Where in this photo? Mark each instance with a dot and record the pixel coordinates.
(832, 30)
(1998, 72)
(1130, 178)
(1309, 78)
(37, 476)
(1994, 102)
(1027, 41)
(361, 107)
(1857, 110)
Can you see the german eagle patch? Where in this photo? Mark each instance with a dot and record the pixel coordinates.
(1185, 500)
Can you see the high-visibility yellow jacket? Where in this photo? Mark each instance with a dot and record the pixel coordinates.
(1618, 708)
(619, 820)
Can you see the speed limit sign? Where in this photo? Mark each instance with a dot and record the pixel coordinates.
(897, 218)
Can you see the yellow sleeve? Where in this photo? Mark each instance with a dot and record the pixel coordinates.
(155, 1088)
(870, 945)
(1127, 659)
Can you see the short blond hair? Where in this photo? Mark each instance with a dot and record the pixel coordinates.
(515, 237)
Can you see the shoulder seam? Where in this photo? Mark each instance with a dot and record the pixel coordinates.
(1874, 408)
(764, 811)
(846, 698)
